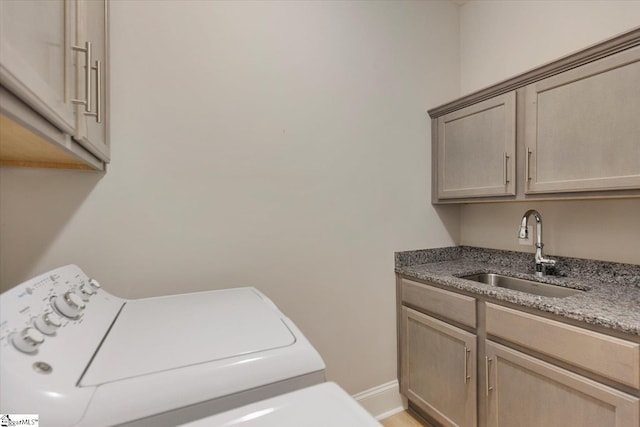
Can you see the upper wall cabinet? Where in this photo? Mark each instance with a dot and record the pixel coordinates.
(476, 149)
(92, 31)
(583, 127)
(53, 78)
(35, 44)
(568, 129)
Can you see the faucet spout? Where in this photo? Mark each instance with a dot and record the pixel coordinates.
(541, 261)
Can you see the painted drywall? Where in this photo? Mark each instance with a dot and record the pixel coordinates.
(283, 145)
(499, 39)
(582, 229)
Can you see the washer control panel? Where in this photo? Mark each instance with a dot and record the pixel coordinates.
(34, 311)
(50, 328)
(46, 303)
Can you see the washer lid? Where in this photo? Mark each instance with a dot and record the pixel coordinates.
(157, 334)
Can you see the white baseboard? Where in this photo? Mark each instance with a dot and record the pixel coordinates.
(381, 401)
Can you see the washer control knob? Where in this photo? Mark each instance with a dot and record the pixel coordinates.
(48, 323)
(28, 340)
(94, 284)
(69, 305)
(86, 292)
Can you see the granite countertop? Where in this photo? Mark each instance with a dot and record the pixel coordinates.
(612, 291)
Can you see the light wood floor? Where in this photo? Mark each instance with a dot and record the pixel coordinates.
(402, 419)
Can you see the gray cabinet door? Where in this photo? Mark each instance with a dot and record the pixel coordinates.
(91, 127)
(526, 392)
(476, 148)
(582, 128)
(34, 57)
(438, 369)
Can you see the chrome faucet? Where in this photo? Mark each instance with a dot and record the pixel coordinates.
(541, 261)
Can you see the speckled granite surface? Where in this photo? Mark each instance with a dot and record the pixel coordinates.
(612, 291)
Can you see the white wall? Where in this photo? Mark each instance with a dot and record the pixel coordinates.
(283, 145)
(499, 39)
(604, 230)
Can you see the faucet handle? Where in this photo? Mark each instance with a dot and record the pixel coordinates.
(547, 261)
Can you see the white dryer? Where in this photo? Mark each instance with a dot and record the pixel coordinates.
(323, 405)
(76, 355)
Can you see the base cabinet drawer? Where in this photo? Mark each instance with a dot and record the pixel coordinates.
(611, 357)
(526, 392)
(453, 306)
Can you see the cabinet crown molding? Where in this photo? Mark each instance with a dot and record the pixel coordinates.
(597, 51)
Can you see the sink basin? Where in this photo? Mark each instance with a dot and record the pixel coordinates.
(523, 285)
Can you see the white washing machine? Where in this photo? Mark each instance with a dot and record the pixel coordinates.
(76, 355)
(323, 405)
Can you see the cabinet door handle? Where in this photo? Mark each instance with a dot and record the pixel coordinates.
(526, 165)
(488, 360)
(98, 113)
(505, 171)
(99, 91)
(87, 76)
(467, 352)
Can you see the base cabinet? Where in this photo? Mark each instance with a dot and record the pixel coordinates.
(527, 392)
(439, 369)
(468, 362)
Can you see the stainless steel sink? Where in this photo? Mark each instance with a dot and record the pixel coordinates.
(523, 285)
